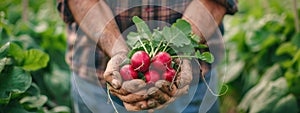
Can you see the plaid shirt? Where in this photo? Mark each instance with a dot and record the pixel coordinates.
(92, 60)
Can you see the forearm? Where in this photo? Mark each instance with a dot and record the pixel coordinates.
(96, 20)
(205, 17)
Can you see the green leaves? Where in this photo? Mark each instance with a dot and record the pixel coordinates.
(205, 56)
(175, 36)
(143, 33)
(4, 50)
(142, 27)
(3, 62)
(29, 60)
(286, 48)
(264, 96)
(30, 42)
(14, 64)
(286, 104)
(34, 59)
(273, 92)
(272, 74)
(268, 43)
(177, 39)
(13, 107)
(30, 102)
(183, 26)
(132, 39)
(157, 36)
(293, 79)
(16, 52)
(13, 80)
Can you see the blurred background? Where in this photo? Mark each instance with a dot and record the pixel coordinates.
(37, 37)
(262, 58)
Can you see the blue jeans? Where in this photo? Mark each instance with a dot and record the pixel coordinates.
(90, 98)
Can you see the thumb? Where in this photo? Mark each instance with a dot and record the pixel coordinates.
(185, 75)
(114, 79)
(111, 74)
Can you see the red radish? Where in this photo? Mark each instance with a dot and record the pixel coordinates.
(152, 76)
(140, 61)
(162, 61)
(169, 74)
(127, 72)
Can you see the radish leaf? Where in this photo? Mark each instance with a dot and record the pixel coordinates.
(142, 27)
(157, 36)
(132, 38)
(205, 56)
(175, 37)
(183, 26)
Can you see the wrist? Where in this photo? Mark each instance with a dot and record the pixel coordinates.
(215, 9)
(230, 5)
(111, 40)
(205, 16)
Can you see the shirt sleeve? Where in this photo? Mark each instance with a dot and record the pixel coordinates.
(65, 13)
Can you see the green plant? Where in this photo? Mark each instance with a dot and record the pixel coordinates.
(32, 58)
(263, 61)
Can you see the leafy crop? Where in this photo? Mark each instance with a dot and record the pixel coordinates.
(263, 57)
(33, 74)
(159, 49)
(178, 40)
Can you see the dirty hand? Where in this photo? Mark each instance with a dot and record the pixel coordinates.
(137, 95)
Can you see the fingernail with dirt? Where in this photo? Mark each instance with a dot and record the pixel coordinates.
(115, 83)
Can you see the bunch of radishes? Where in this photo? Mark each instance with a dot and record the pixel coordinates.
(152, 70)
(152, 53)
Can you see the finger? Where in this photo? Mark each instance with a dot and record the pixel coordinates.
(113, 78)
(136, 106)
(164, 86)
(133, 97)
(159, 106)
(152, 103)
(185, 75)
(134, 85)
(155, 93)
(111, 74)
(128, 87)
(120, 91)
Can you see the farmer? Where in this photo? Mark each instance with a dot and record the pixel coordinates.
(96, 47)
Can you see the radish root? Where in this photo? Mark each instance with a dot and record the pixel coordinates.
(109, 98)
(210, 90)
(176, 74)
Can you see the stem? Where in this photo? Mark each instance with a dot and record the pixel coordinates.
(143, 45)
(157, 47)
(176, 74)
(152, 49)
(205, 82)
(183, 56)
(108, 95)
(166, 47)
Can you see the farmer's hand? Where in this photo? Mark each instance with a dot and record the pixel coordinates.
(111, 74)
(137, 96)
(171, 90)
